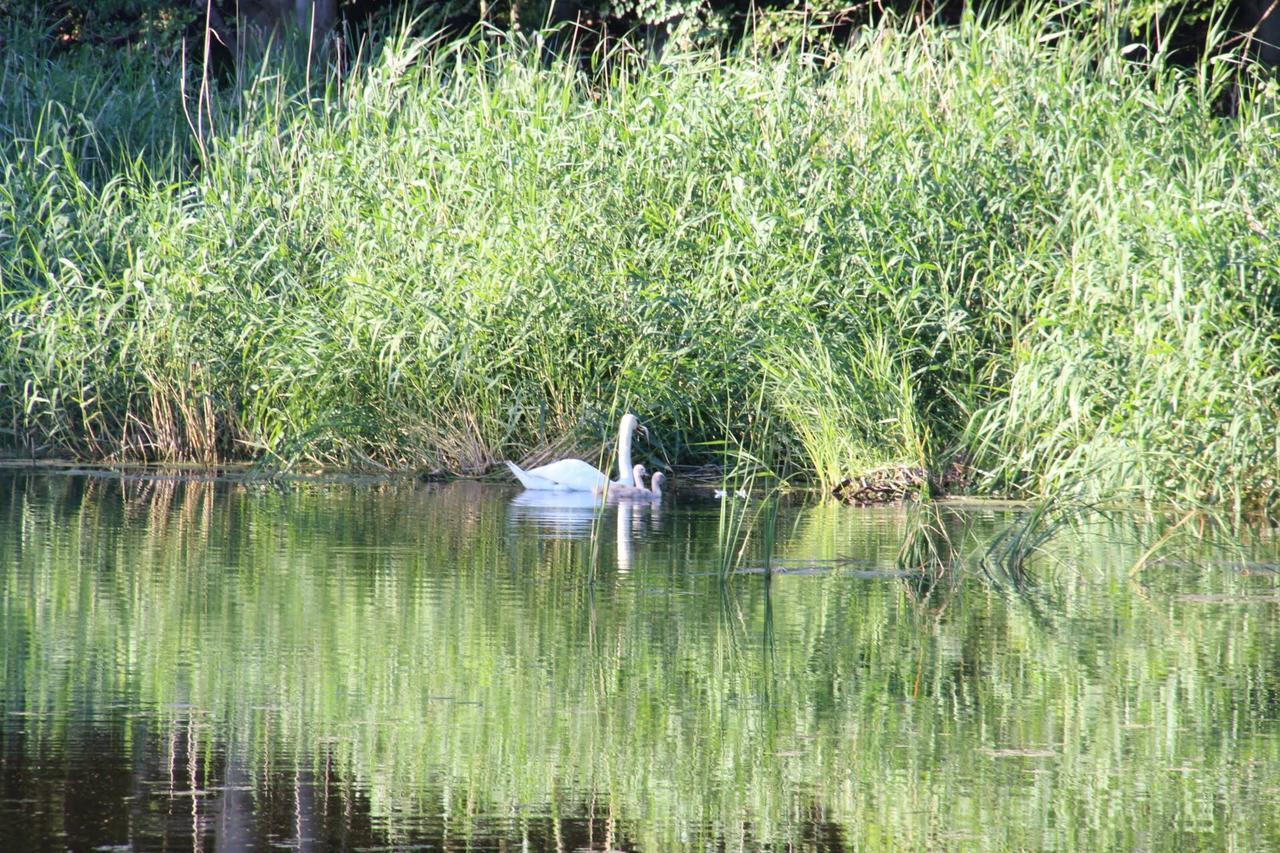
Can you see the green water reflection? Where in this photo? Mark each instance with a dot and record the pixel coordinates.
(217, 665)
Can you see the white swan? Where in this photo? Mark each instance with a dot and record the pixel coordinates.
(574, 475)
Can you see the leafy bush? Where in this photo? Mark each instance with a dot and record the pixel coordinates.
(1003, 239)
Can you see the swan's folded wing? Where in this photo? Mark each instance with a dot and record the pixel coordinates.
(571, 474)
(532, 481)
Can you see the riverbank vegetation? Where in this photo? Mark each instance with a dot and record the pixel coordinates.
(1007, 242)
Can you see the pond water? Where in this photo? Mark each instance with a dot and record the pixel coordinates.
(223, 666)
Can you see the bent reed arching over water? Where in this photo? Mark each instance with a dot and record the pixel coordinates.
(1003, 241)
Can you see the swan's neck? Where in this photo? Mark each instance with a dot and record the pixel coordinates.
(625, 477)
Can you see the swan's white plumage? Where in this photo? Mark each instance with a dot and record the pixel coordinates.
(574, 475)
(566, 475)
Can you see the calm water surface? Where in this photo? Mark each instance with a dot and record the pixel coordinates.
(215, 666)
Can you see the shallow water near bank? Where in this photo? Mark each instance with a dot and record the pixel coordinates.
(224, 666)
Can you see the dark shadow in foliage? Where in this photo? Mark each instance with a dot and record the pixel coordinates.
(1179, 28)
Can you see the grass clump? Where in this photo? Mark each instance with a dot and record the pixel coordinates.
(1000, 240)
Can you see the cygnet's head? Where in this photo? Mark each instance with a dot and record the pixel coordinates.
(638, 472)
(655, 485)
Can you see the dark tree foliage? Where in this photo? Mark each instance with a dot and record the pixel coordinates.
(1177, 25)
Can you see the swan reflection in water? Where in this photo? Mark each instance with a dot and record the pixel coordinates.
(572, 515)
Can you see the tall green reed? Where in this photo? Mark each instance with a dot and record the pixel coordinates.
(1001, 242)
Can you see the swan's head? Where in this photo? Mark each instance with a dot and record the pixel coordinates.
(630, 423)
(638, 472)
(655, 485)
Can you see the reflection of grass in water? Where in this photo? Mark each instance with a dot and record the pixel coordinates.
(940, 540)
(747, 474)
(376, 620)
(747, 527)
(928, 547)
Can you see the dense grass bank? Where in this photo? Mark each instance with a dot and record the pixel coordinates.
(997, 240)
